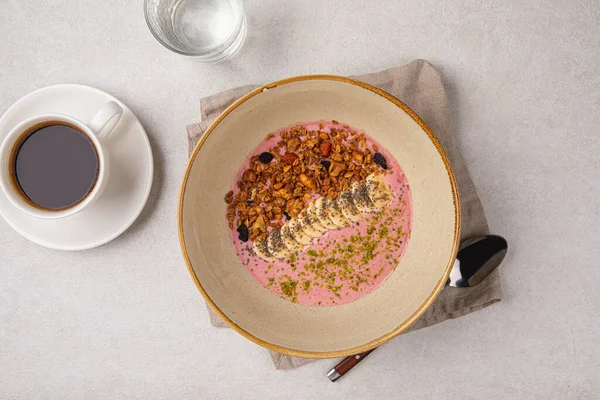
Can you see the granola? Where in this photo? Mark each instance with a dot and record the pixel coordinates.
(300, 165)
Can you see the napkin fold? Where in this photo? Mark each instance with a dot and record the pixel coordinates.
(420, 86)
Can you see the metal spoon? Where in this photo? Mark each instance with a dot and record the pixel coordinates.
(477, 258)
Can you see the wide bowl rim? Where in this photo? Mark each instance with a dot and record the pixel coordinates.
(405, 324)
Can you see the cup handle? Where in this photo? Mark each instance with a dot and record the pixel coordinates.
(104, 121)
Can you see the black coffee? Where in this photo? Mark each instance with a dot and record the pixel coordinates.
(55, 166)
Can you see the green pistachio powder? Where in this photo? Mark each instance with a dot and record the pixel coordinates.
(344, 265)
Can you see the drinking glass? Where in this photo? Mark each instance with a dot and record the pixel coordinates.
(208, 30)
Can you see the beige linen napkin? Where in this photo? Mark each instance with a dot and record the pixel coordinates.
(420, 86)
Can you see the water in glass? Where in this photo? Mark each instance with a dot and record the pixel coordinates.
(207, 29)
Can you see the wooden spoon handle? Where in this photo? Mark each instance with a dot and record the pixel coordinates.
(346, 365)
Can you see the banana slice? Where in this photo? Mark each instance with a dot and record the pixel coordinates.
(360, 195)
(335, 213)
(288, 239)
(318, 224)
(298, 233)
(379, 191)
(307, 223)
(322, 206)
(261, 248)
(276, 246)
(346, 204)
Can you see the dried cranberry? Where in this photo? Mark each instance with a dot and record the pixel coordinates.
(325, 149)
(289, 158)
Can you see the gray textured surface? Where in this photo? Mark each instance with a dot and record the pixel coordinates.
(125, 320)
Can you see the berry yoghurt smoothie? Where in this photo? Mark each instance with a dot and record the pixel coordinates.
(320, 214)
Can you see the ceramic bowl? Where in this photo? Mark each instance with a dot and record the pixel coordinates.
(278, 324)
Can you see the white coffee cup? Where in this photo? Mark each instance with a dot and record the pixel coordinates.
(97, 130)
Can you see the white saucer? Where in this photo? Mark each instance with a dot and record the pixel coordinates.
(128, 187)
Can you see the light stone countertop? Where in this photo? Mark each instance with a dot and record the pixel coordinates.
(125, 320)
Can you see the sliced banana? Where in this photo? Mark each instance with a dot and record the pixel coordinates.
(321, 207)
(347, 206)
(335, 213)
(318, 224)
(307, 223)
(298, 233)
(321, 215)
(261, 248)
(379, 191)
(276, 246)
(360, 195)
(288, 239)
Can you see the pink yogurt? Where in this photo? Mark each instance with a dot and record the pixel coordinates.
(344, 264)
